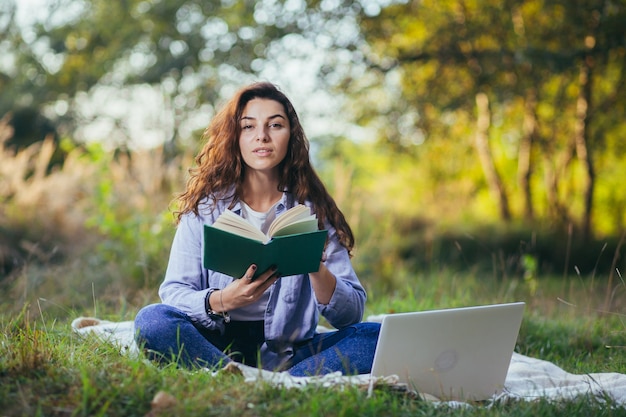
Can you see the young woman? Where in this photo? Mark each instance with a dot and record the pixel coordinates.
(256, 163)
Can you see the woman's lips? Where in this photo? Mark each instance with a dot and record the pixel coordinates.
(262, 151)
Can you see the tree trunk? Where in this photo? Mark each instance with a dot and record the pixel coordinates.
(483, 122)
(524, 163)
(556, 210)
(581, 140)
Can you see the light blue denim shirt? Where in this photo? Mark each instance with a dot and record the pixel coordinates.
(292, 311)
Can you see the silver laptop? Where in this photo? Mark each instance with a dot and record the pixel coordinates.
(453, 354)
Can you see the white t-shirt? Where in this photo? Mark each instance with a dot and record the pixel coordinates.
(256, 310)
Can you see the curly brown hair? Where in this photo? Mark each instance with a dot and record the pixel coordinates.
(220, 167)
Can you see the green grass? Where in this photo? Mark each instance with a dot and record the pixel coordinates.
(46, 370)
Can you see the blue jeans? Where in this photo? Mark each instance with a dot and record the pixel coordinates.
(167, 334)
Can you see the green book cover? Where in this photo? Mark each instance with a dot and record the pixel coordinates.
(232, 254)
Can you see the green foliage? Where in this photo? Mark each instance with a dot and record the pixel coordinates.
(408, 220)
(548, 123)
(191, 49)
(98, 225)
(133, 235)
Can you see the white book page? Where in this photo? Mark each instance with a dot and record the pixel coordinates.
(297, 219)
(230, 222)
(293, 215)
(302, 226)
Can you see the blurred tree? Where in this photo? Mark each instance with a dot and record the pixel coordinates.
(540, 76)
(191, 49)
(534, 88)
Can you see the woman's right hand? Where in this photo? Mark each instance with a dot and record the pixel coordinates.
(243, 291)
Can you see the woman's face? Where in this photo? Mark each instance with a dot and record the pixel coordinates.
(265, 133)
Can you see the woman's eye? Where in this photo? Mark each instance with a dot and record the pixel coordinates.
(276, 125)
(246, 127)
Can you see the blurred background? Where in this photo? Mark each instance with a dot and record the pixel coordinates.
(463, 139)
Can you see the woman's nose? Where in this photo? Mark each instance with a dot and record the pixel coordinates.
(261, 135)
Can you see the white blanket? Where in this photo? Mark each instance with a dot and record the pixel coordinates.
(527, 378)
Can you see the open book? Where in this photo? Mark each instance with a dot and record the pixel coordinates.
(293, 243)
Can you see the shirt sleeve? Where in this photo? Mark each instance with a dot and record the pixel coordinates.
(186, 281)
(347, 303)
